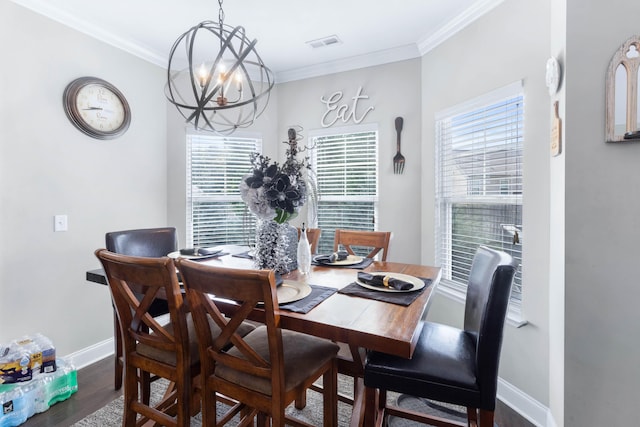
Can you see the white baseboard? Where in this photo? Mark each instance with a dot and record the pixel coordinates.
(91, 354)
(516, 399)
(525, 405)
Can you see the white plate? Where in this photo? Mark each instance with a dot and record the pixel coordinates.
(177, 254)
(350, 260)
(417, 283)
(291, 291)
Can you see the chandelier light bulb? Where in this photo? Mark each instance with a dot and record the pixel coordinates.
(203, 75)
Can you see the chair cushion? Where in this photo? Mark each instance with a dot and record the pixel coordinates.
(443, 367)
(303, 354)
(169, 357)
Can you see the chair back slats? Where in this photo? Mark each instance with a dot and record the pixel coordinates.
(145, 242)
(375, 241)
(149, 278)
(249, 289)
(149, 347)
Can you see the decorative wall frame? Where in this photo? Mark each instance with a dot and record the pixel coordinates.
(622, 121)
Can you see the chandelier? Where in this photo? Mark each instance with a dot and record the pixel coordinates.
(221, 91)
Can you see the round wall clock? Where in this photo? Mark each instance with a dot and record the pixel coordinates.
(96, 108)
(552, 77)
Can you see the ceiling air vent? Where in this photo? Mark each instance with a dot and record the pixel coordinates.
(325, 41)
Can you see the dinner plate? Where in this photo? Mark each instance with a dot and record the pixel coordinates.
(292, 291)
(350, 260)
(417, 283)
(177, 254)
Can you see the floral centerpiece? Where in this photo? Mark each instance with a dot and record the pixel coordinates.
(274, 193)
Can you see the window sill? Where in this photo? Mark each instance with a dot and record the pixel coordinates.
(514, 314)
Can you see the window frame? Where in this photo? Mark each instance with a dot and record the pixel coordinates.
(444, 205)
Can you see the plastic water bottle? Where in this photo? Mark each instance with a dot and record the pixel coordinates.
(304, 252)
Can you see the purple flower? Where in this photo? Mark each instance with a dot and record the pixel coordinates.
(260, 178)
(281, 194)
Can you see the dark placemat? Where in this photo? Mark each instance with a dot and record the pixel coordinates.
(366, 262)
(306, 304)
(400, 298)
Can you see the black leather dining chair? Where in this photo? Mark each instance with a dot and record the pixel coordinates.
(457, 366)
(145, 242)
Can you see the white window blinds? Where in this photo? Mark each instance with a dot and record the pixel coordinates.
(346, 165)
(479, 184)
(215, 212)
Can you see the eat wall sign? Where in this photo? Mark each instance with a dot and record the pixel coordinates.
(349, 109)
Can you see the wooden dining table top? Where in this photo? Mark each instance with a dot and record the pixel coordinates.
(359, 322)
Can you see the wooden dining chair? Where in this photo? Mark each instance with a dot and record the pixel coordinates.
(457, 366)
(313, 235)
(373, 241)
(149, 347)
(145, 242)
(351, 359)
(267, 368)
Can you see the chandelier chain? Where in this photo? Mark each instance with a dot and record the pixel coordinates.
(220, 14)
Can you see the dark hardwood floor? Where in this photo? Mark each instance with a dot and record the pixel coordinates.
(95, 390)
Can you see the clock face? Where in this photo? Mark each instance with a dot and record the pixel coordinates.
(100, 108)
(97, 108)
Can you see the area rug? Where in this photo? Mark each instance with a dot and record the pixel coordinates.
(425, 406)
(111, 414)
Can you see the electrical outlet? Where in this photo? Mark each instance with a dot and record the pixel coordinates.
(60, 223)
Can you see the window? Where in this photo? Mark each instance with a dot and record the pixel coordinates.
(215, 212)
(479, 184)
(346, 167)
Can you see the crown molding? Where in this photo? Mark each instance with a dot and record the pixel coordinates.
(43, 7)
(475, 11)
(401, 53)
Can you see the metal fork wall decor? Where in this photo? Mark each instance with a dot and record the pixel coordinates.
(398, 159)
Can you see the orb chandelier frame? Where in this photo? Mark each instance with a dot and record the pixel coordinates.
(223, 91)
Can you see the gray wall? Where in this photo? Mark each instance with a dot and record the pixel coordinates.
(602, 227)
(48, 167)
(393, 90)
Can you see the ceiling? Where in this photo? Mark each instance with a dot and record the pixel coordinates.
(371, 33)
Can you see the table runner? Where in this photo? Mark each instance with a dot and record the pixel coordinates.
(400, 298)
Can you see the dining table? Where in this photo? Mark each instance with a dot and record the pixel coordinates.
(337, 306)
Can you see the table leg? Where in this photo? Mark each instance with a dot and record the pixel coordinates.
(357, 416)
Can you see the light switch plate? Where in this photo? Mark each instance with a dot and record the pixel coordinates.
(60, 223)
